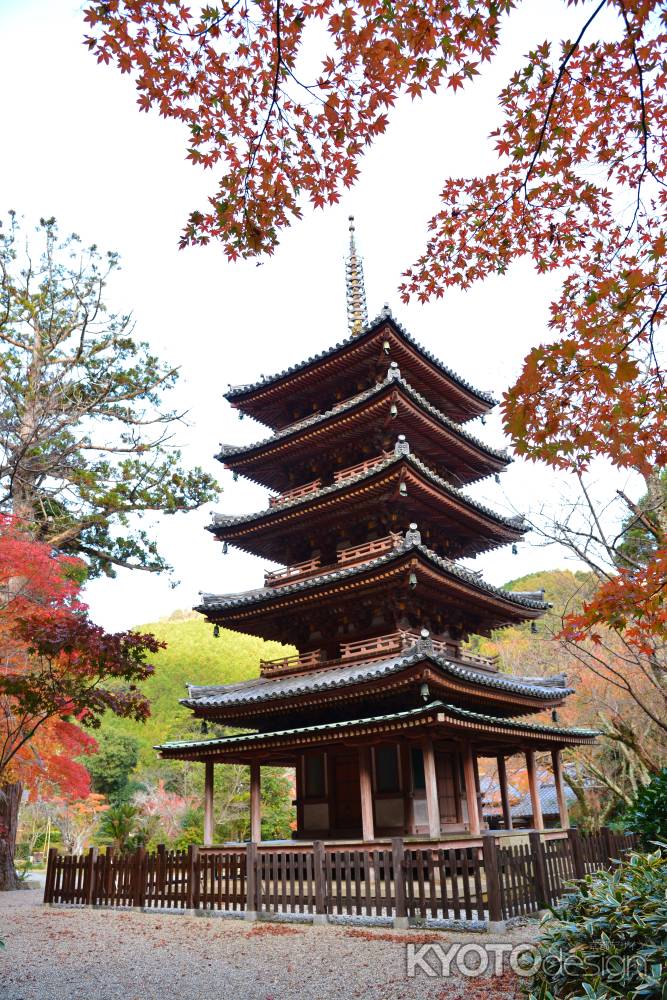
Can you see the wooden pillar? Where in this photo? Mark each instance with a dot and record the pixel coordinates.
(255, 804)
(366, 792)
(431, 781)
(504, 793)
(557, 764)
(406, 784)
(538, 822)
(208, 803)
(471, 790)
(478, 790)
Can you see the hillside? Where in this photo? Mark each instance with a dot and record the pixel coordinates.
(529, 648)
(562, 588)
(192, 655)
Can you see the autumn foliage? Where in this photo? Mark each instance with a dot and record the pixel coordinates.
(580, 188)
(58, 671)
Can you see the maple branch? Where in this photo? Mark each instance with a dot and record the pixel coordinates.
(640, 516)
(595, 517)
(272, 105)
(552, 98)
(204, 31)
(604, 670)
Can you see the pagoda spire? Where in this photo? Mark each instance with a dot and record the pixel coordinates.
(357, 311)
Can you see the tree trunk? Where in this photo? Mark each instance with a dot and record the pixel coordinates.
(10, 799)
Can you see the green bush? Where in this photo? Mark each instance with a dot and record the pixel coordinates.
(647, 815)
(608, 938)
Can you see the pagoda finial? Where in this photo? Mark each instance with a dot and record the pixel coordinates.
(357, 312)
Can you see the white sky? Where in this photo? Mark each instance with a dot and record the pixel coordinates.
(75, 146)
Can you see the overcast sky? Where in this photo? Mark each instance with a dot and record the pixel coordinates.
(76, 146)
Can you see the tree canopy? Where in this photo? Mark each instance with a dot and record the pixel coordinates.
(86, 441)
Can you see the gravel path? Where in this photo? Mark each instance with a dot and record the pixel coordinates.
(69, 954)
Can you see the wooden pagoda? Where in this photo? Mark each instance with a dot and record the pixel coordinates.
(383, 712)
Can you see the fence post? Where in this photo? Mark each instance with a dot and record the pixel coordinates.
(109, 874)
(138, 877)
(161, 873)
(609, 848)
(50, 874)
(492, 877)
(89, 881)
(541, 885)
(252, 901)
(398, 864)
(192, 894)
(320, 915)
(576, 847)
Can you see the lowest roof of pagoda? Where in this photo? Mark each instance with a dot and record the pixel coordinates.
(272, 399)
(446, 717)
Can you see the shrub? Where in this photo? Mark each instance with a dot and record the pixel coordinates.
(608, 938)
(647, 815)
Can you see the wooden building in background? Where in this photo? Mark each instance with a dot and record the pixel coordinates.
(383, 712)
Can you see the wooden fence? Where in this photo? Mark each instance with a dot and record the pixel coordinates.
(492, 878)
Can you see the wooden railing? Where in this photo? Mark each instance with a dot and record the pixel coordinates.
(345, 557)
(369, 550)
(394, 642)
(361, 467)
(476, 660)
(294, 494)
(368, 648)
(374, 648)
(298, 571)
(290, 664)
(486, 878)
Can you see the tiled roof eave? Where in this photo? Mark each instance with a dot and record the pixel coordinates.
(432, 712)
(238, 392)
(276, 689)
(212, 601)
(516, 524)
(237, 451)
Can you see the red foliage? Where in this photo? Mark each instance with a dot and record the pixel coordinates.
(632, 603)
(580, 184)
(229, 75)
(57, 669)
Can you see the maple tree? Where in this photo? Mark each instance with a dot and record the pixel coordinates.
(77, 819)
(58, 672)
(580, 187)
(618, 689)
(162, 810)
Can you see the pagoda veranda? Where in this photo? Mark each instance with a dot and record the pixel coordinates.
(382, 713)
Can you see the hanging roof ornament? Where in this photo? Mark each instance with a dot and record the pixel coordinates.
(357, 311)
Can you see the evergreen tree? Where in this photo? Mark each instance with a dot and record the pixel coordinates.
(85, 437)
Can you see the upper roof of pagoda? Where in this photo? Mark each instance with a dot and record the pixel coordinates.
(274, 399)
(443, 442)
(420, 494)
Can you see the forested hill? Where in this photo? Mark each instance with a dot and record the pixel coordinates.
(194, 655)
(563, 589)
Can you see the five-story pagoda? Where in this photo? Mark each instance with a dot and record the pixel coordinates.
(382, 712)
